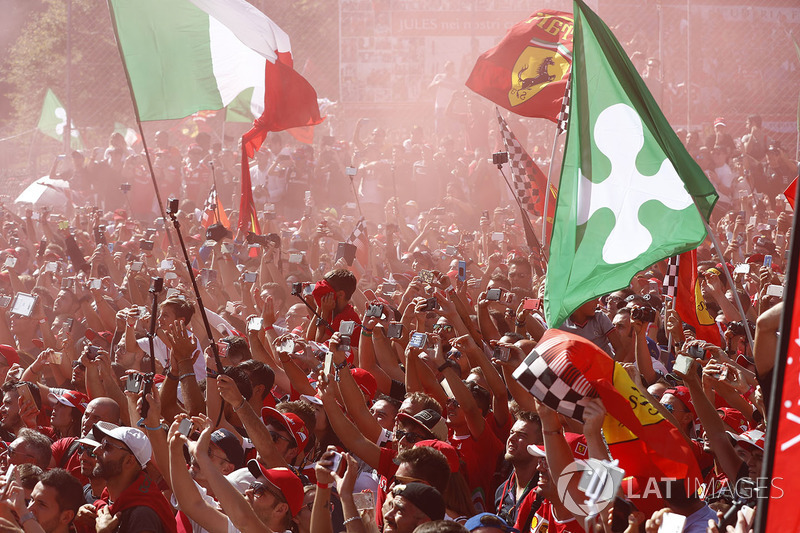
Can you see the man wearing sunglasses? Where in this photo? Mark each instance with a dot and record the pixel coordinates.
(131, 501)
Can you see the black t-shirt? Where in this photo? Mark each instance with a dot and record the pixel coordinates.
(140, 518)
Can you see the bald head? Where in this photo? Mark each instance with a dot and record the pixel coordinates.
(101, 408)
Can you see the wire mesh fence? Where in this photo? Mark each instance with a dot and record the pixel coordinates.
(703, 59)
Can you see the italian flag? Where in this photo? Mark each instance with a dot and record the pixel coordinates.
(184, 56)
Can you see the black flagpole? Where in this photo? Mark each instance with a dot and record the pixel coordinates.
(139, 122)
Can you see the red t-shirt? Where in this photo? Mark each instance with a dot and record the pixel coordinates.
(543, 520)
(73, 464)
(386, 469)
(481, 456)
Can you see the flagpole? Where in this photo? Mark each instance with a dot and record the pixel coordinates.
(530, 236)
(139, 123)
(547, 190)
(778, 376)
(728, 276)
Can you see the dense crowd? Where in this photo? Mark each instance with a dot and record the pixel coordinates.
(365, 389)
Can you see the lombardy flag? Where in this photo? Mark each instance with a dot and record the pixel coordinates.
(630, 194)
(565, 370)
(527, 71)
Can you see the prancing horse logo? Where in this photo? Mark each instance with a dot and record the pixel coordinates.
(542, 67)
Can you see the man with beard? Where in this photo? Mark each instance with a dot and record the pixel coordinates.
(65, 451)
(131, 501)
(526, 430)
(54, 502)
(94, 487)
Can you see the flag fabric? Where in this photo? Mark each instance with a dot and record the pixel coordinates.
(181, 60)
(778, 512)
(360, 238)
(683, 284)
(790, 192)
(528, 179)
(53, 121)
(563, 115)
(565, 370)
(526, 72)
(629, 195)
(213, 212)
(239, 110)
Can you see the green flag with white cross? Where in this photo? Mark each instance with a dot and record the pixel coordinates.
(53, 121)
(630, 194)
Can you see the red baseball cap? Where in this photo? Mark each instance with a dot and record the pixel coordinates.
(9, 354)
(733, 418)
(72, 398)
(365, 381)
(293, 424)
(682, 393)
(447, 449)
(754, 438)
(283, 480)
(576, 442)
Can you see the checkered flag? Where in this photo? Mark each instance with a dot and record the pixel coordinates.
(563, 115)
(360, 239)
(670, 286)
(551, 377)
(529, 181)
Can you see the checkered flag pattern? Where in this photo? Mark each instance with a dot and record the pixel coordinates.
(553, 380)
(360, 239)
(563, 115)
(524, 172)
(670, 286)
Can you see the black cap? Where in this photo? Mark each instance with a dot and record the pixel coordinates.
(230, 446)
(426, 498)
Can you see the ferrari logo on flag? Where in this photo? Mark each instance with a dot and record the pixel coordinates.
(536, 68)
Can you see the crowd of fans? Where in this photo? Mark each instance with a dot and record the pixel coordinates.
(366, 393)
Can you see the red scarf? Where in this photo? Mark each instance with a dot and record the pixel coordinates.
(145, 492)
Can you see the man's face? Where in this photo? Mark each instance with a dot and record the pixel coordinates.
(166, 315)
(519, 276)
(414, 435)
(284, 441)
(111, 455)
(622, 322)
(61, 418)
(522, 434)
(64, 303)
(95, 412)
(19, 453)
(401, 516)
(679, 411)
(296, 316)
(384, 413)
(444, 329)
(264, 503)
(218, 459)
(9, 411)
(88, 460)
(751, 456)
(44, 506)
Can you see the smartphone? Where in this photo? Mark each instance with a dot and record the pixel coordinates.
(742, 268)
(501, 353)
(308, 289)
(768, 261)
(249, 277)
(374, 310)
(24, 391)
(255, 324)
(775, 290)
(167, 264)
(494, 295)
(296, 259)
(696, 352)
(185, 427)
(287, 346)
(431, 304)
(92, 352)
(462, 271)
(133, 383)
(418, 340)
(173, 292)
(672, 523)
(346, 251)
(394, 330)
(532, 304)
(427, 276)
(682, 364)
(338, 466)
(5, 301)
(68, 323)
(11, 262)
(223, 348)
(619, 515)
(226, 248)
(753, 220)
(63, 224)
(137, 266)
(327, 366)
(23, 303)
(451, 251)
(350, 171)
(52, 266)
(389, 288)
(346, 329)
(498, 236)
(145, 245)
(95, 284)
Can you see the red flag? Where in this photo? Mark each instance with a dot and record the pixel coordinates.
(213, 212)
(289, 102)
(689, 302)
(527, 71)
(790, 191)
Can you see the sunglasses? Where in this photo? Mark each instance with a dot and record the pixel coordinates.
(442, 327)
(275, 436)
(86, 449)
(410, 436)
(106, 444)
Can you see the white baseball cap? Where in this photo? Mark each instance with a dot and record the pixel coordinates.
(135, 439)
